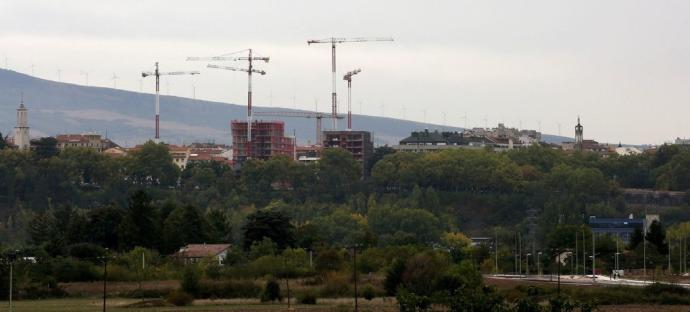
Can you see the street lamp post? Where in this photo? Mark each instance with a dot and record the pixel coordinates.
(12, 258)
(527, 266)
(105, 276)
(538, 263)
(354, 272)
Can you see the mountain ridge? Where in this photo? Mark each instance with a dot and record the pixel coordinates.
(126, 117)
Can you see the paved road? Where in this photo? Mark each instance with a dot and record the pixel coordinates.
(579, 280)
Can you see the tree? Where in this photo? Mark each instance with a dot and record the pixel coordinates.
(269, 224)
(378, 154)
(657, 237)
(3, 143)
(103, 226)
(394, 276)
(338, 173)
(404, 226)
(139, 225)
(183, 226)
(45, 147)
(152, 164)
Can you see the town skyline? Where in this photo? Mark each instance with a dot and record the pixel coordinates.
(538, 65)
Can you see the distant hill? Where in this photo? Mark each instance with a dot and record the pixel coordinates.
(127, 117)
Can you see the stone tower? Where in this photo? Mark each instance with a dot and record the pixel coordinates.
(578, 135)
(21, 131)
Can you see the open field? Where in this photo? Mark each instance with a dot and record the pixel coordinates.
(326, 305)
(120, 305)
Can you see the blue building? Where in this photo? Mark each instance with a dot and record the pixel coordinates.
(621, 227)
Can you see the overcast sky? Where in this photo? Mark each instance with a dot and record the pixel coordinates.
(623, 66)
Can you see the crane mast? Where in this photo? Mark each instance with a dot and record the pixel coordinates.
(157, 74)
(333, 41)
(348, 78)
(250, 58)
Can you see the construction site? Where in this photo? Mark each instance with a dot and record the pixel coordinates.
(265, 139)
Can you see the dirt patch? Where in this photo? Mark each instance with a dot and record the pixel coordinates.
(96, 288)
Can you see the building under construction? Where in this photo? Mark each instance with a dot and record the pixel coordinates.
(268, 140)
(356, 142)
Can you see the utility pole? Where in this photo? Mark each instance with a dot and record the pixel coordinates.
(644, 246)
(105, 276)
(577, 260)
(12, 258)
(539, 263)
(594, 258)
(250, 58)
(496, 250)
(348, 78)
(333, 41)
(156, 73)
(354, 273)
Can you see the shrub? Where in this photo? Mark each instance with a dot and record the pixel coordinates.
(213, 271)
(394, 276)
(307, 297)
(271, 292)
(179, 298)
(190, 281)
(368, 292)
(336, 285)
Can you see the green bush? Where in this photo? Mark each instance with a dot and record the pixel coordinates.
(306, 297)
(368, 292)
(179, 298)
(271, 292)
(190, 281)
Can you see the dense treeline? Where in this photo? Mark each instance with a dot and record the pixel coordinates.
(466, 190)
(70, 209)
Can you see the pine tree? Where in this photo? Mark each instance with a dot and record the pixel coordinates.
(139, 226)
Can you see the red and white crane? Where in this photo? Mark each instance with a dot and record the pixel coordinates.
(158, 74)
(348, 78)
(250, 58)
(333, 41)
(302, 114)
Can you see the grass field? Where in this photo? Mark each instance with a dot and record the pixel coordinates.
(327, 305)
(120, 305)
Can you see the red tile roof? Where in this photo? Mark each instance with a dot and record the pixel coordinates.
(202, 250)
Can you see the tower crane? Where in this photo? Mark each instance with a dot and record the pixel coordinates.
(250, 58)
(348, 78)
(333, 41)
(304, 114)
(156, 73)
